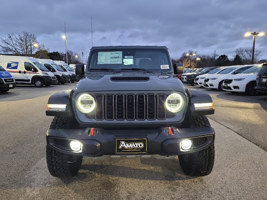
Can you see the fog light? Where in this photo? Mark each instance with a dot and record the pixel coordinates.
(76, 146)
(185, 145)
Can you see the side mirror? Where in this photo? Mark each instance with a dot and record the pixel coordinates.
(79, 70)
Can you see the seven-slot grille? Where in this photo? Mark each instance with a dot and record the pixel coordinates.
(130, 107)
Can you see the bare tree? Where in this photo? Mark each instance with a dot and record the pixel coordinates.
(20, 44)
(246, 54)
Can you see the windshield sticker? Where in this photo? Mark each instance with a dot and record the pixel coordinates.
(128, 60)
(113, 57)
(164, 67)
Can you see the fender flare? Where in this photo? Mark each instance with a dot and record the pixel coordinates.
(200, 98)
(60, 98)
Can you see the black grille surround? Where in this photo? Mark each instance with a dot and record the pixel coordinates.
(130, 107)
(135, 108)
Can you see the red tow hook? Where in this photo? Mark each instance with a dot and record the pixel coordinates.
(169, 131)
(92, 132)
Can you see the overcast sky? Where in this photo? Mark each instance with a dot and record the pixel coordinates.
(203, 26)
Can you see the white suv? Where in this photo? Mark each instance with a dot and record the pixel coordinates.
(244, 82)
(216, 81)
(199, 81)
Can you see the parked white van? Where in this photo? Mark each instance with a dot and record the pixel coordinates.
(62, 76)
(67, 69)
(27, 70)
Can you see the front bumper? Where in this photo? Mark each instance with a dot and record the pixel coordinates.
(234, 87)
(47, 80)
(199, 82)
(7, 86)
(73, 78)
(191, 80)
(261, 89)
(184, 79)
(54, 80)
(7, 83)
(103, 142)
(66, 78)
(211, 84)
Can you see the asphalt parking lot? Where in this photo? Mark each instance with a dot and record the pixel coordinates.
(239, 171)
(245, 115)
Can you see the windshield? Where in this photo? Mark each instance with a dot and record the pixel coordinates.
(41, 67)
(130, 59)
(50, 68)
(227, 70)
(199, 70)
(1, 68)
(187, 70)
(57, 67)
(205, 70)
(252, 70)
(214, 71)
(62, 68)
(68, 68)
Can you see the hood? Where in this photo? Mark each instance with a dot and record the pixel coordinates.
(50, 74)
(130, 82)
(219, 75)
(205, 75)
(5, 74)
(253, 76)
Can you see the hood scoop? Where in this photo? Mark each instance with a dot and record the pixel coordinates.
(130, 78)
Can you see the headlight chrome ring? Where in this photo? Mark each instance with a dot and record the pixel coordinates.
(85, 103)
(174, 102)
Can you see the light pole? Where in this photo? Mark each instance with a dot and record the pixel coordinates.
(35, 45)
(254, 34)
(191, 54)
(64, 37)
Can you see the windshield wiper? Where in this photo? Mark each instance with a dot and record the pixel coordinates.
(135, 69)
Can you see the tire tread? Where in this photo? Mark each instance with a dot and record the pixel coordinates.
(199, 163)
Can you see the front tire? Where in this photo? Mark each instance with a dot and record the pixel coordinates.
(60, 164)
(199, 163)
(250, 89)
(38, 82)
(220, 88)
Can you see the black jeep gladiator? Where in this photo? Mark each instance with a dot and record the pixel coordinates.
(129, 103)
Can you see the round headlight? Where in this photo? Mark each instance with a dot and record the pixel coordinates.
(174, 102)
(85, 103)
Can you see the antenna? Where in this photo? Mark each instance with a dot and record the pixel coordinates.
(92, 41)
